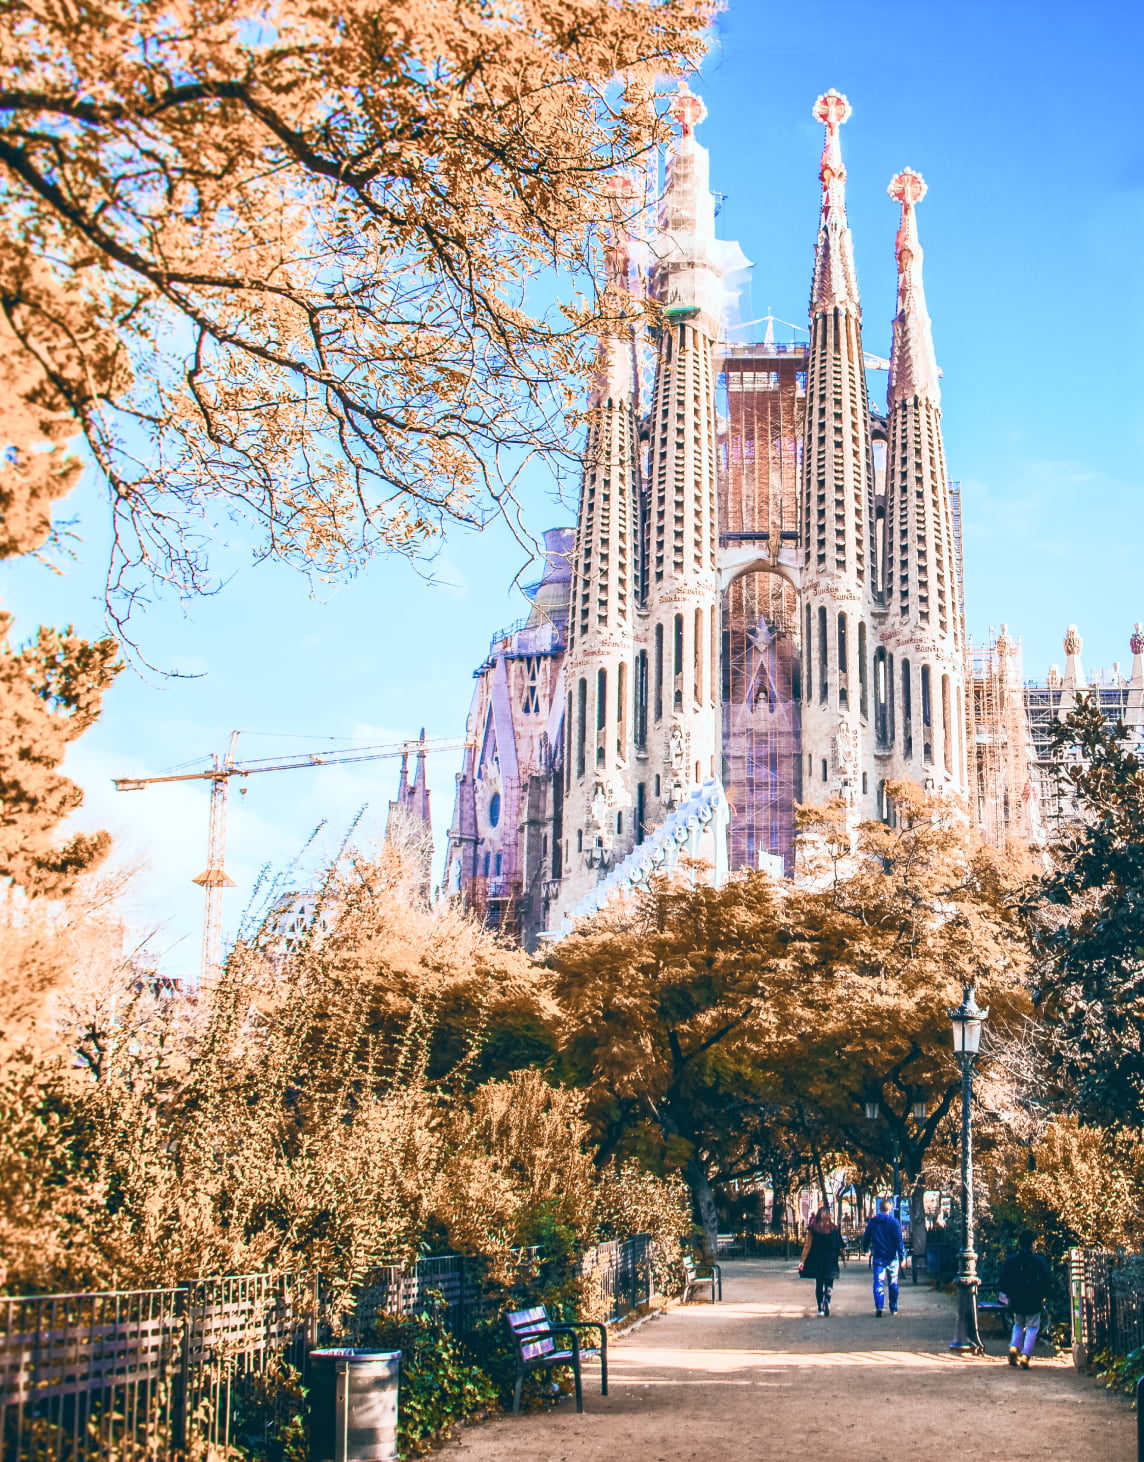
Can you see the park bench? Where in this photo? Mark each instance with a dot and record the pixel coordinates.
(534, 1335)
(712, 1275)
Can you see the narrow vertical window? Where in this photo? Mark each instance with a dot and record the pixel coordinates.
(641, 701)
(822, 686)
(824, 769)
(863, 688)
(712, 669)
(927, 716)
(569, 733)
(843, 662)
(698, 657)
(807, 655)
(658, 672)
(946, 725)
(677, 661)
(621, 707)
(581, 723)
(641, 810)
(601, 714)
(881, 692)
(907, 711)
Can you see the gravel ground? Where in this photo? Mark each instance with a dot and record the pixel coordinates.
(761, 1375)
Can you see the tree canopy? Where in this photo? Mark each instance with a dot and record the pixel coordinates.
(285, 262)
(703, 1021)
(1086, 920)
(50, 693)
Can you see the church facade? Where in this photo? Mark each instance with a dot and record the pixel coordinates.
(760, 604)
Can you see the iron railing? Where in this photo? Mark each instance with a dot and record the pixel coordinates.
(213, 1366)
(1106, 1302)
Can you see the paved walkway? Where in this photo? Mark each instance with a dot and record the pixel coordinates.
(761, 1375)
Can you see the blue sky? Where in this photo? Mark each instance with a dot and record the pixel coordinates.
(1023, 119)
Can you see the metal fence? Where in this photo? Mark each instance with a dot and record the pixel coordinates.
(624, 1271)
(215, 1365)
(1106, 1302)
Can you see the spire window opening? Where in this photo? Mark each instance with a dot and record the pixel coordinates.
(657, 707)
(698, 647)
(863, 685)
(823, 687)
(907, 712)
(927, 717)
(946, 725)
(677, 662)
(843, 663)
(641, 811)
(621, 707)
(581, 723)
(824, 777)
(807, 654)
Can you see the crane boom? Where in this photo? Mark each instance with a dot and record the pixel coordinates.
(214, 877)
(295, 762)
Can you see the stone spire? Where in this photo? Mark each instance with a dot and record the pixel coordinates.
(913, 367)
(921, 554)
(687, 268)
(835, 283)
(676, 714)
(837, 507)
(601, 625)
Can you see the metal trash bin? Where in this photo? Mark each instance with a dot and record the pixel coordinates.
(353, 1405)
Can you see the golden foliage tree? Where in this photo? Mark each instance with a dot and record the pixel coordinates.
(289, 258)
(703, 1021)
(50, 693)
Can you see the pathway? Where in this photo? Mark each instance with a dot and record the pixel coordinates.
(762, 1375)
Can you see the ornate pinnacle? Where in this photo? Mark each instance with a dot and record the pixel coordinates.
(687, 109)
(835, 282)
(831, 109)
(1073, 642)
(913, 368)
(907, 187)
(1136, 642)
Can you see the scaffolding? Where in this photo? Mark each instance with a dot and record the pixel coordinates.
(763, 396)
(1001, 781)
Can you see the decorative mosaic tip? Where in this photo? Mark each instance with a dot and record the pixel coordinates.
(687, 109)
(1073, 642)
(1136, 643)
(907, 187)
(832, 109)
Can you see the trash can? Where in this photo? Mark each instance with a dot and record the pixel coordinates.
(353, 1405)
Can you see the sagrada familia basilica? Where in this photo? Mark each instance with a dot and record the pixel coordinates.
(761, 602)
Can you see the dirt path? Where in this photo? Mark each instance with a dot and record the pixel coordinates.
(762, 1375)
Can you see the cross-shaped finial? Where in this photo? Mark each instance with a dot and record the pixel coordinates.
(687, 109)
(907, 187)
(832, 109)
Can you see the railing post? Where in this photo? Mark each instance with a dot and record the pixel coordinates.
(1076, 1308)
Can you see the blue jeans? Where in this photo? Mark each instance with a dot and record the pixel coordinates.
(885, 1275)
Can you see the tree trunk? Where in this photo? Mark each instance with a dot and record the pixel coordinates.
(703, 1200)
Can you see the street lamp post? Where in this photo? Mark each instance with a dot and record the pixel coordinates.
(967, 1020)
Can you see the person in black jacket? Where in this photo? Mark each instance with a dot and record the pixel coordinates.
(820, 1256)
(1025, 1281)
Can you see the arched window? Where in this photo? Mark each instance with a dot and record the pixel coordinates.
(494, 809)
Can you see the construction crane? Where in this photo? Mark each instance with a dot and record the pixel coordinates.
(214, 878)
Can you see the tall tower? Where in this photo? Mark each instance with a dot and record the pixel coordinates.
(599, 808)
(837, 486)
(676, 719)
(919, 703)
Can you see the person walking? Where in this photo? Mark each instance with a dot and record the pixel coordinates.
(1024, 1283)
(820, 1255)
(884, 1237)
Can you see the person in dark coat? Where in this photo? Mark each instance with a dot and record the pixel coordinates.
(1024, 1283)
(820, 1256)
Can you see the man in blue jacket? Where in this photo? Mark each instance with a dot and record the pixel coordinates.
(883, 1236)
